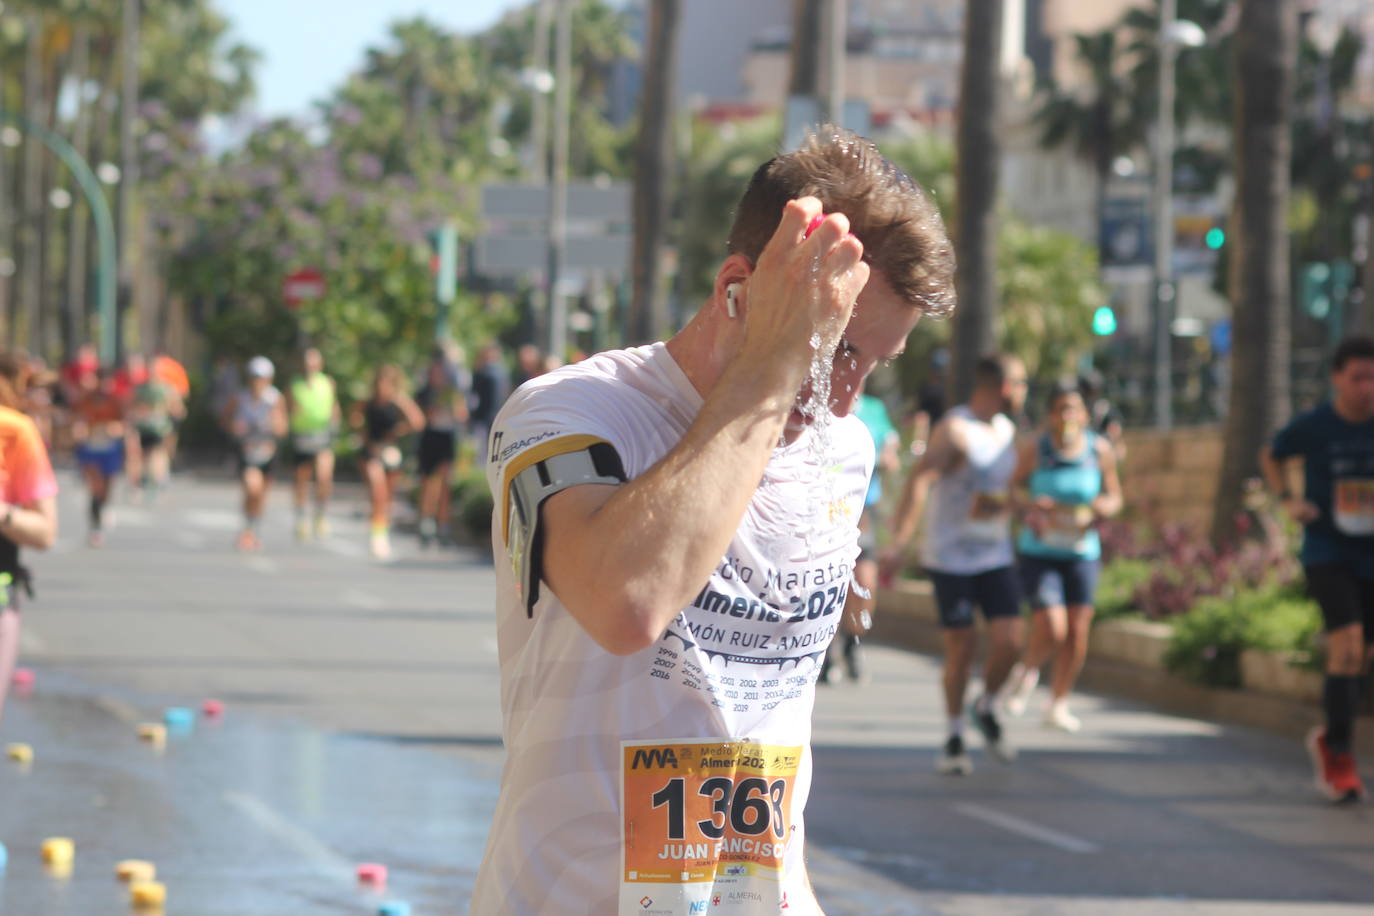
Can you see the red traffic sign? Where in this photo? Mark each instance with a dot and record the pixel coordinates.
(302, 286)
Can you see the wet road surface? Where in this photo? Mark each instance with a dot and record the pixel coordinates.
(362, 724)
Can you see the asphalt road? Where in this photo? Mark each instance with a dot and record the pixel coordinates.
(362, 724)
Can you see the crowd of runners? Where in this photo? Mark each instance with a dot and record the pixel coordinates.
(120, 427)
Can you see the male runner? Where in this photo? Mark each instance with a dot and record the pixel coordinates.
(964, 478)
(314, 411)
(674, 541)
(1334, 502)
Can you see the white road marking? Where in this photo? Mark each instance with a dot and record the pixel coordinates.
(361, 599)
(31, 642)
(263, 565)
(344, 548)
(305, 843)
(1027, 829)
(119, 709)
(214, 519)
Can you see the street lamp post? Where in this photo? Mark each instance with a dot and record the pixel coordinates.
(104, 227)
(558, 189)
(1173, 34)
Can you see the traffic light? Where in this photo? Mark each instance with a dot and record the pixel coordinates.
(1215, 238)
(1314, 290)
(1104, 321)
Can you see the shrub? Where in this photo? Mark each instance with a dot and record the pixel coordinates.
(1117, 588)
(474, 504)
(1207, 642)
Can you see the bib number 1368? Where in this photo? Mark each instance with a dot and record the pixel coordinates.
(696, 811)
(748, 806)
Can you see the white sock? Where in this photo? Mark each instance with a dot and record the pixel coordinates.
(956, 726)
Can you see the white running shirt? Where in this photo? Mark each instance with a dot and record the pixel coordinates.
(671, 781)
(955, 541)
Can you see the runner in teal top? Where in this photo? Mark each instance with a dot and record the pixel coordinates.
(861, 601)
(1067, 482)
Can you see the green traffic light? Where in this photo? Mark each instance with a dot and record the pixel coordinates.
(1104, 321)
(1216, 237)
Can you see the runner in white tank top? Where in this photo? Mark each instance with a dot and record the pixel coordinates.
(674, 541)
(961, 485)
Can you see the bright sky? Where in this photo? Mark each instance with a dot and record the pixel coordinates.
(309, 46)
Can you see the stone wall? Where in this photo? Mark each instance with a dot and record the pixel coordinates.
(1172, 477)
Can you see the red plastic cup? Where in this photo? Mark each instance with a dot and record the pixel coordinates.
(372, 873)
(212, 709)
(23, 677)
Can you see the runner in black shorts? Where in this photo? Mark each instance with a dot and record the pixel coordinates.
(384, 419)
(964, 476)
(443, 399)
(1334, 501)
(257, 418)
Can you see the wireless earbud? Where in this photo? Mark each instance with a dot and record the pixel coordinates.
(731, 292)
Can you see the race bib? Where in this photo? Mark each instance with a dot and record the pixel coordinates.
(1354, 504)
(311, 443)
(259, 451)
(988, 521)
(1067, 528)
(706, 822)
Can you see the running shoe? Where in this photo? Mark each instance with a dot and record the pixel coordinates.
(954, 759)
(1336, 775)
(1057, 715)
(380, 545)
(428, 531)
(248, 542)
(321, 526)
(1021, 684)
(302, 530)
(986, 720)
(95, 539)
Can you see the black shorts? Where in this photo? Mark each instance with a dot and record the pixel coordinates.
(264, 466)
(1059, 583)
(305, 448)
(997, 592)
(150, 438)
(1343, 597)
(437, 448)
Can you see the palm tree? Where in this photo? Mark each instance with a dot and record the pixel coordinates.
(979, 151)
(652, 168)
(1265, 61)
(1101, 126)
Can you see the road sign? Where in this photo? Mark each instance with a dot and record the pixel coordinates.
(515, 254)
(304, 285)
(517, 225)
(586, 201)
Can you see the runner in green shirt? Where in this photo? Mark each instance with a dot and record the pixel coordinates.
(314, 412)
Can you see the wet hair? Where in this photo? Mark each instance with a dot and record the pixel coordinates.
(1062, 388)
(991, 371)
(895, 219)
(1352, 348)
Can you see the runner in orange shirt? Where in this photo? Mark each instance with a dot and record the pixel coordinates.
(28, 509)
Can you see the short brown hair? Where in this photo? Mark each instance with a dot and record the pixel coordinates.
(900, 228)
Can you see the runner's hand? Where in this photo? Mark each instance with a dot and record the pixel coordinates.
(889, 565)
(1301, 511)
(803, 285)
